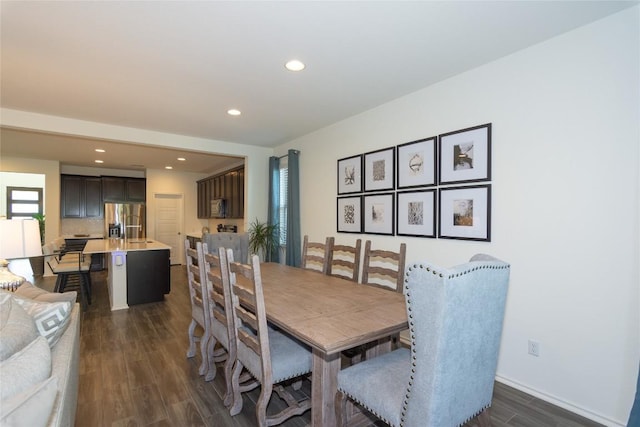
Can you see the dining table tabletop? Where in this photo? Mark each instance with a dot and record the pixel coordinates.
(330, 314)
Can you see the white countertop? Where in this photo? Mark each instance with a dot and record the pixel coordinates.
(112, 245)
(83, 236)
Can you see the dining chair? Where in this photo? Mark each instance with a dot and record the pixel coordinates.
(317, 256)
(271, 357)
(345, 261)
(446, 377)
(199, 308)
(382, 268)
(215, 270)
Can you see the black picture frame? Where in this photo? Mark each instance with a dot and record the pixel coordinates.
(465, 155)
(416, 213)
(465, 213)
(379, 170)
(350, 175)
(349, 214)
(378, 214)
(416, 163)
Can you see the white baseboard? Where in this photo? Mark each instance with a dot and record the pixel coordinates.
(561, 403)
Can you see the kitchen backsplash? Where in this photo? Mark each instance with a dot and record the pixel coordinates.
(70, 226)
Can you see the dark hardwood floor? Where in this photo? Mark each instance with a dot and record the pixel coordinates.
(134, 372)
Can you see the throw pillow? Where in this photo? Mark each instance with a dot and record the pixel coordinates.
(28, 290)
(17, 328)
(51, 318)
(32, 407)
(25, 368)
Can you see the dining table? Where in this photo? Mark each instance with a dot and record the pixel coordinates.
(329, 314)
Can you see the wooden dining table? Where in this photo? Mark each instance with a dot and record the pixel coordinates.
(329, 314)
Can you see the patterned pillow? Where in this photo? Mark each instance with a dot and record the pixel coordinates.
(51, 318)
(28, 290)
(17, 328)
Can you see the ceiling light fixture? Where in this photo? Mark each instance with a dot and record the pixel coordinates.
(294, 65)
(181, 159)
(99, 150)
(233, 112)
(168, 167)
(99, 161)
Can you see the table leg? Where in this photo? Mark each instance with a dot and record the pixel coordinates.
(323, 388)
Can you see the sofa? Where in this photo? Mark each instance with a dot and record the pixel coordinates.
(39, 357)
(238, 242)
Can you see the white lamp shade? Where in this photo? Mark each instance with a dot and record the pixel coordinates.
(19, 238)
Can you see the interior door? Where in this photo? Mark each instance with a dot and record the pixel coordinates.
(169, 219)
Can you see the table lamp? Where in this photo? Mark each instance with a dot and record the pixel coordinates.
(19, 239)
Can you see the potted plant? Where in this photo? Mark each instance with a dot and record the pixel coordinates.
(263, 239)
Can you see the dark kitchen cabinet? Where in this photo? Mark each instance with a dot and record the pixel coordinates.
(148, 276)
(118, 189)
(229, 186)
(80, 196)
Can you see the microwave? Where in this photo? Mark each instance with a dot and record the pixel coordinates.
(217, 208)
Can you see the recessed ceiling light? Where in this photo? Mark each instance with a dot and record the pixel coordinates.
(98, 161)
(294, 65)
(233, 112)
(182, 159)
(168, 167)
(99, 150)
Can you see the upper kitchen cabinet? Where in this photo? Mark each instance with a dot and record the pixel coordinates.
(229, 186)
(117, 189)
(81, 196)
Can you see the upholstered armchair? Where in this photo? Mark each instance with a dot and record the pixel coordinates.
(446, 378)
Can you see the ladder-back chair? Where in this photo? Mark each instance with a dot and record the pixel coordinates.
(317, 256)
(345, 261)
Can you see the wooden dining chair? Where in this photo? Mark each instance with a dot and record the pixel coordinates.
(446, 378)
(199, 308)
(345, 261)
(382, 268)
(317, 256)
(271, 357)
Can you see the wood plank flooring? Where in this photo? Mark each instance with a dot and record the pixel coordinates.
(134, 372)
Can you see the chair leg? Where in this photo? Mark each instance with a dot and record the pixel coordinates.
(204, 354)
(236, 407)
(58, 283)
(211, 363)
(261, 404)
(341, 409)
(192, 339)
(228, 372)
(86, 284)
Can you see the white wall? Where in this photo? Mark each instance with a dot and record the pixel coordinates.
(565, 203)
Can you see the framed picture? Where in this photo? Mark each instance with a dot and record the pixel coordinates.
(416, 163)
(416, 213)
(465, 155)
(378, 214)
(350, 175)
(379, 170)
(465, 213)
(350, 214)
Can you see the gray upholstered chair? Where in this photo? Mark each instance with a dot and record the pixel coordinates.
(315, 255)
(237, 242)
(199, 308)
(271, 356)
(446, 378)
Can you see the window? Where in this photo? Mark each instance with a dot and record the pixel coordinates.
(282, 203)
(23, 202)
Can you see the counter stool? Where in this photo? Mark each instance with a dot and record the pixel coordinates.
(73, 273)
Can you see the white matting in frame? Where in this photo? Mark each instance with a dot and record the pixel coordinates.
(349, 214)
(350, 175)
(416, 163)
(378, 214)
(416, 213)
(465, 213)
(465, 155)
(379, 172)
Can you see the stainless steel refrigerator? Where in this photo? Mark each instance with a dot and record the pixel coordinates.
(125, 220)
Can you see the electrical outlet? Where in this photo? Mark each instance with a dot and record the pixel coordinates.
(534, 348)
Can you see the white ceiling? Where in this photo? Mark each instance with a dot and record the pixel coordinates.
(178, 66)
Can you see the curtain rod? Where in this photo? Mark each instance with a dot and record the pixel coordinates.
(287, 155)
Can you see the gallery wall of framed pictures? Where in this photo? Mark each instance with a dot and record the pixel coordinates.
(436, 187)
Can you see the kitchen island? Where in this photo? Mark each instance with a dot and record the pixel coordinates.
(139, 270)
